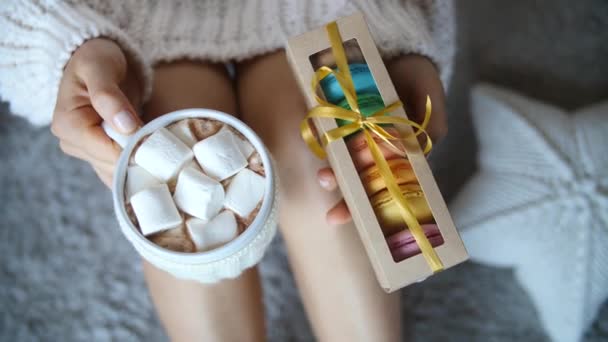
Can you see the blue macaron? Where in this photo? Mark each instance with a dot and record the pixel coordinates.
(362, 79)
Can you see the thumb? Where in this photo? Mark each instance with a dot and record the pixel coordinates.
(112, 105)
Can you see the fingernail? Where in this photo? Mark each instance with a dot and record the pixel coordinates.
(125, 122)
(330, 220)
(324, 183)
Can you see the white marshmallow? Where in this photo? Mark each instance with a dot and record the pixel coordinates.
(195, 165)
(219, 155)
(120, 139)
(163, 155)
(155, 210)
(218, 231)
(197, 194)
(182, 130)
(138, 179)
(244, 193)
(244, 145)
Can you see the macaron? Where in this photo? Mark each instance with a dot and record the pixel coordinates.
(369, 104)
(403, 245)
(362, 80)
(387, 210)
(326, 57)
(373, 181)
(361, 155)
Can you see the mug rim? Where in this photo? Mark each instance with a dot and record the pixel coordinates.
(224, 251)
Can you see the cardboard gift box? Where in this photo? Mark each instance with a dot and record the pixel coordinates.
(391, 275)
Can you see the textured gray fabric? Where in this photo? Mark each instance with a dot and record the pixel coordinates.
(67, 274)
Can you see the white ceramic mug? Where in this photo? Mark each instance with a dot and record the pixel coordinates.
(227, 261)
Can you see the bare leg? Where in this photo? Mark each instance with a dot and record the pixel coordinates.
(231, 310)
(341, 296)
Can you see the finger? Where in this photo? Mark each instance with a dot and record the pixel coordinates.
(131, 87)
(339, 214)
(104, 170)
(81, 129)
(73, 151)
(94, 75)
(79, 153)
(104, 176)
(327, 179)
(438, 125)
(415, 77)
(113, 106)
(100, 147)
(102, 67)
(102, 76)
(105, 167)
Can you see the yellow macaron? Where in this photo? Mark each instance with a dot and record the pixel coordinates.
(387, 210)
(373, 181)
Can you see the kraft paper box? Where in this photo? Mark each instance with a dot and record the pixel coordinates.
(390, 274)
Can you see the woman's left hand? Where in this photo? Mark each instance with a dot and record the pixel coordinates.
(414, 77)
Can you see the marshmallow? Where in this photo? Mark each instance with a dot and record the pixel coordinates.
(219, 155)
(155, 210)
(138, 179)
(244, 145)
(195, 165)
(181, 129)
(245, 192)
(218, 231)
(197, 194)
(163, 155)
(120, 139)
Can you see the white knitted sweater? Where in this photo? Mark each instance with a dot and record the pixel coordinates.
(37, 37)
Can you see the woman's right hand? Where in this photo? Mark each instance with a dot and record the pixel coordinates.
(96, 86)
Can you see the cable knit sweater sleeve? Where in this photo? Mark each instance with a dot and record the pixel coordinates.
(38, 36)
(38, 39)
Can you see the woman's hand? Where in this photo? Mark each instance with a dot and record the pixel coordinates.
(414, 77)
(96, 86)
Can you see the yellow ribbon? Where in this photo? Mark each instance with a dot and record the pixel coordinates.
(368, 124)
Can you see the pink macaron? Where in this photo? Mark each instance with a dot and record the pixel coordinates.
(403, 245)
(361, 154)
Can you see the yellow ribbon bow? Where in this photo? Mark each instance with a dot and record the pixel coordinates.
(368, 125)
